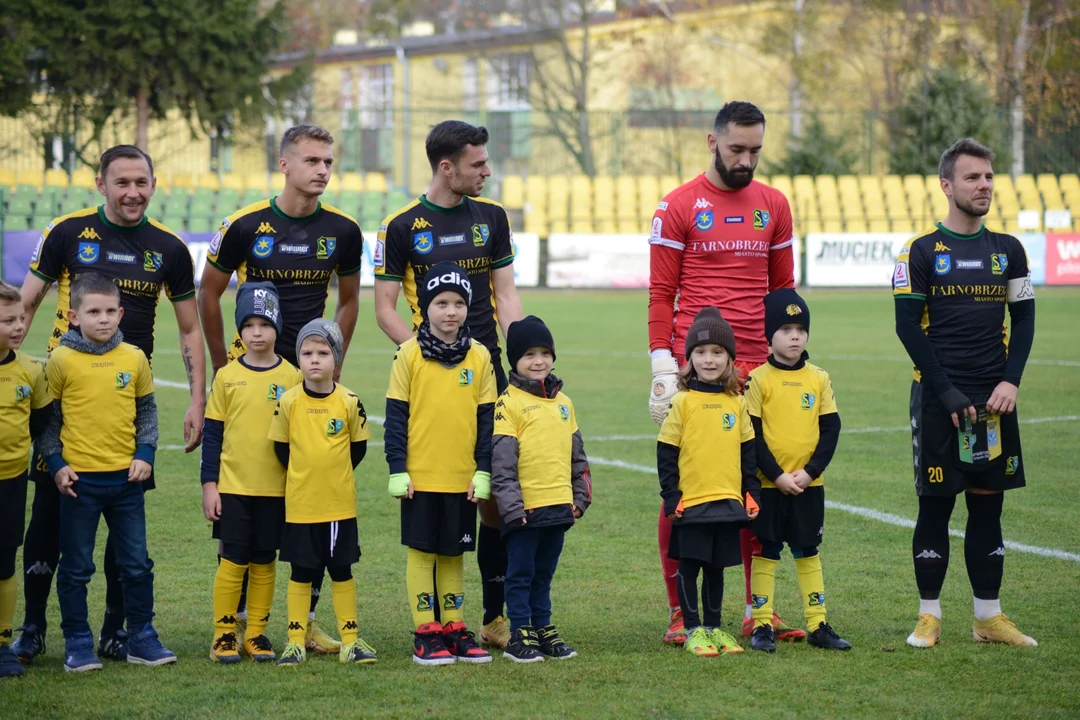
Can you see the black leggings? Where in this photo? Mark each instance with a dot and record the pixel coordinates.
(712, 593)
(339, 573)
(7, 562)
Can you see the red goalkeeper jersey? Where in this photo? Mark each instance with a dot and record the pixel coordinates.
(715, 247)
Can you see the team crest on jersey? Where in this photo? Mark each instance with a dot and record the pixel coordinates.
(151, 261)
(480, 234)
(729, 420)
(123, 379)
(264, 245)
(422, 242)
(761, 219)
(704, 220)
(564, 412)
(275, 391)
(89, 252)
(808, 401)
(325, 247)
(465, 377)
(1012, 464)
(999, 262)
(942, 264)
(334, 426)
(22, 392)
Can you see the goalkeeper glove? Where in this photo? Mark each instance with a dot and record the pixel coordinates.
(665, 375)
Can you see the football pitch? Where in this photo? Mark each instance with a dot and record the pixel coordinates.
(608, 595)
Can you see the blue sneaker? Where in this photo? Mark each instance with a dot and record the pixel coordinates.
(79, 653)
(144, 648)
(30, 643)
(9, 663)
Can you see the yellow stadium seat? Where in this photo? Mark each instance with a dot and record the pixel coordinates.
(7, 178)
(558, 202)
(667, 184)
(812, 226)
(352, 182)
(626, 201)
(649, 195)
(210, 181)
(581, 198)
(870, 186)
(536, 195)
(832, 225)
(183, 181)
(558, 225)
(880, 226)
(856, 226)
(232, 181)
(277, 182)
(783, 184)
(84, 177)
(35, 178)
(604, 194)
(1069, 182)
(892, 183)
(583, 226)
(627, 226)
(535, 222)
(376, 182)
(56, 178)
(513, 192)
(255, 181)
(1046, 182)
(904, 226)
(606, 227)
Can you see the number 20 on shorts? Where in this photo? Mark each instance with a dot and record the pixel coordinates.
(935, 474)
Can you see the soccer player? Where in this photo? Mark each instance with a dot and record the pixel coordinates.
(297, 243)
(452, 223)
(951, 286)
(724, 240)
(143, 257)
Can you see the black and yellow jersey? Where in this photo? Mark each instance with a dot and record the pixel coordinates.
(298, 255)
(97, 395)
(965, 281)
(789, 403)
(142, 260)
(437, 445)
(709, 430)
(476, 235)
(243, 399)
(23, 388)
(320, 430)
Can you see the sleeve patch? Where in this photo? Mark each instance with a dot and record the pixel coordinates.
(900, 275)
(661, 207)
(215, 243)
(1021, 289)
(379, 258)
(657, 229)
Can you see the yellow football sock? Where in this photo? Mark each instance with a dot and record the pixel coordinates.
(298, 605)
(762, 586)
(420, 586)
(345, 610)
(8, 591)
(227, 583)
(812, 585)
(450, 578)
(260, 597)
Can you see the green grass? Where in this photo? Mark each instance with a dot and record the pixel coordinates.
(608, 595)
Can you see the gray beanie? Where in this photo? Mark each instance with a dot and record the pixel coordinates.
(330, 334)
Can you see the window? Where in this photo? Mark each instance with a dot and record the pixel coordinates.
(377, 96)
(470, 85)
(348, 154)
(508, 82)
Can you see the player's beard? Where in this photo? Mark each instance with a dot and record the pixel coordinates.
(737, 179)
(969, 209)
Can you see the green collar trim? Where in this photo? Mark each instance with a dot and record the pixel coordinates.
(123, 228)
(281, 213)
(439, 208)
(958, 236)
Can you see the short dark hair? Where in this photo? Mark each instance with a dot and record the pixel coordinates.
(448, 139)
(739, 113)
(91, 283)
(966, 146)
(123, 151)
(297, 133)
(9, 293)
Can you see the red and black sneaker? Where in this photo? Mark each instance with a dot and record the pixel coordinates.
(428, 647)
(462, 644)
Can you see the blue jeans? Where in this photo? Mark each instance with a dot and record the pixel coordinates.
(122, 506)
(532, 555)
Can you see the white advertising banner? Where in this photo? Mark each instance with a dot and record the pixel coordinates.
(526, 259)
(852, 259)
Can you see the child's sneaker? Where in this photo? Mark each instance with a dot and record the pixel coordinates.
(79, 654)
(676, 632)
(29, 644)
(320, 641)
(144, 648)
(428, 646)
(927, 632)
(294, 654)
(462, 644)
(9, 663)
(763, 639)
(496, 633)
(224, 650)
(827, 639)
(723, 642)
(1000, 629)
(259, 649)
(698, 642)
(358, 652)
(781, 630)
(113, 645)
(523, 646)
(553, 646)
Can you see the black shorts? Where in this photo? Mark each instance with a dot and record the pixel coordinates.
(13, 511)
(938, 468)
(440, 523)
(798, 520)
(249, 524)
(713, 544)
(325, 544)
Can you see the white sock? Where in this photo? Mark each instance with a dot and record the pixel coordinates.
(931, 607)
(311, 617)
(242, 615)
(749, 611)
(986, 609)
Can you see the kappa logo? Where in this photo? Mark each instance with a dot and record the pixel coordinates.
(499, 416)
(39, 568)
(295, 626)
(152, 261)
(22, 392)
(807, 401)
(452, 601)
(702, 204)
(265, 228)
(1000, 551)
(466, 538)
(275, 391)
(758, 601)
(816, 599)
(928, 554)
(123, 379)
(325, 247)
(761, 219)
(334, 426)
(940, 247)
(420, 224)
(425, 602)
(227, 620)
(350, 625)
(88, 233)
(465, 377)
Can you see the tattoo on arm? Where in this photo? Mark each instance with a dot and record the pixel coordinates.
(40, 296)
(186, 353)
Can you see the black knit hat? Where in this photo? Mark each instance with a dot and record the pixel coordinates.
(443, 277)
(527, 333)
(782, 307)
(710, 327)
(258, 299)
